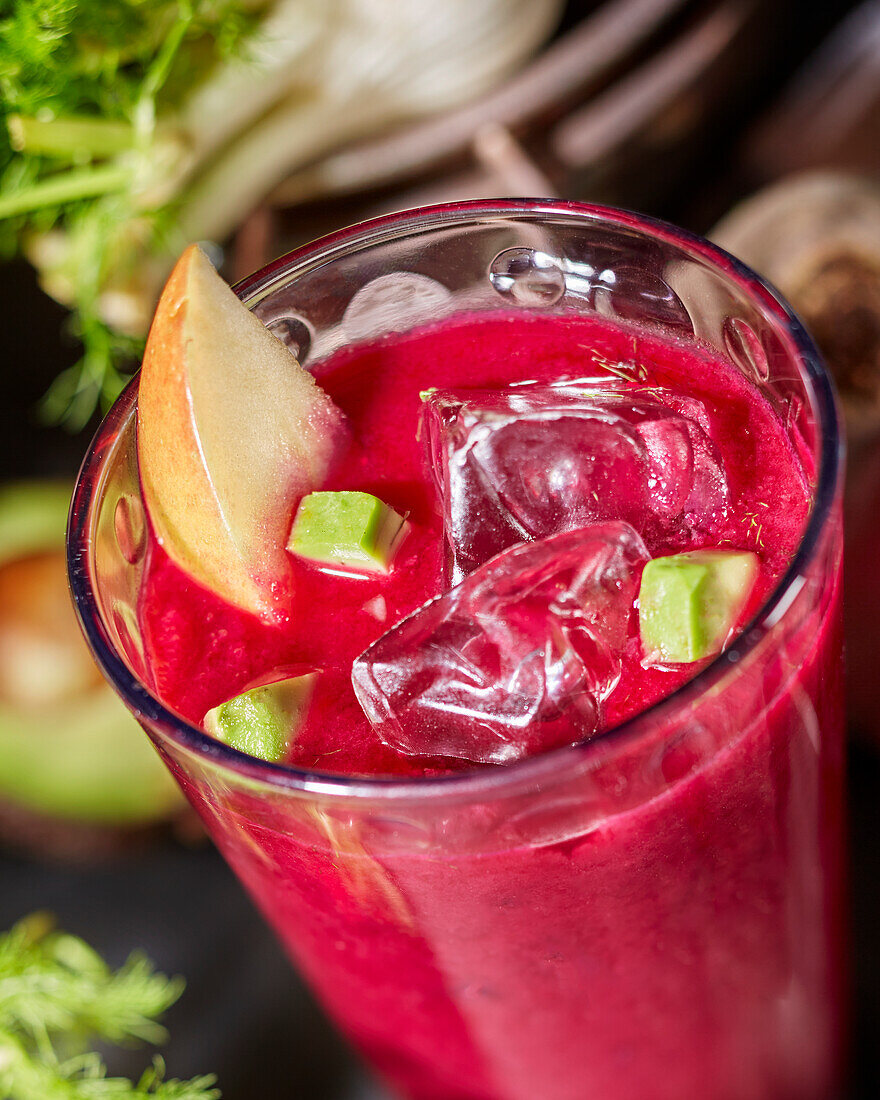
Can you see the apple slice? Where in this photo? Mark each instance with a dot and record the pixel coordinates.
(232, 432)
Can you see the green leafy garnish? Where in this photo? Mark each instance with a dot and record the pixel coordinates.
(57, 997)
(130, 129)
(92, 161)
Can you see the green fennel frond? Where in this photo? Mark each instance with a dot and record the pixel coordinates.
(131, 128)
(88, 95)
(57, 996)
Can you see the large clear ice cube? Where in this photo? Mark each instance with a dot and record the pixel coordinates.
(524, 463)
(516, 659)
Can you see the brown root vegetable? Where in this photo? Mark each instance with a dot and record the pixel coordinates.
(816, 236)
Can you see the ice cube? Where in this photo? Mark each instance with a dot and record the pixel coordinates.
(529, 461)
(516, 659)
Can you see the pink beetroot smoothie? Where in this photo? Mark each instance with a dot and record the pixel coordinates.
(663, 928)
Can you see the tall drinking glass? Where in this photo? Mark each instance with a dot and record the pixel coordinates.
(653, 914)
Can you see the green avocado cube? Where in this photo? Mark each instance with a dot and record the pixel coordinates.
(264, 720)
(689, 603)
(350, 529)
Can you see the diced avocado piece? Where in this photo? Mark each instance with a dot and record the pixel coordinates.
(688, 603)
(213, 373)
(264, 720)
(347, 528)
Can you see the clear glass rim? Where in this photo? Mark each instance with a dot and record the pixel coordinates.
(533, 770)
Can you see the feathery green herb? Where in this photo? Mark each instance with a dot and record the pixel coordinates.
(130, 128)
(90, 159)
(57, 996)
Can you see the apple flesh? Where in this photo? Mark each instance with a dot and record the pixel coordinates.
(232, 433)
(349, 529)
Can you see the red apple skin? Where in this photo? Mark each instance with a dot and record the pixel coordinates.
(232, 432)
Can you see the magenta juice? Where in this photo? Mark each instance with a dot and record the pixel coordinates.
(660, 924)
